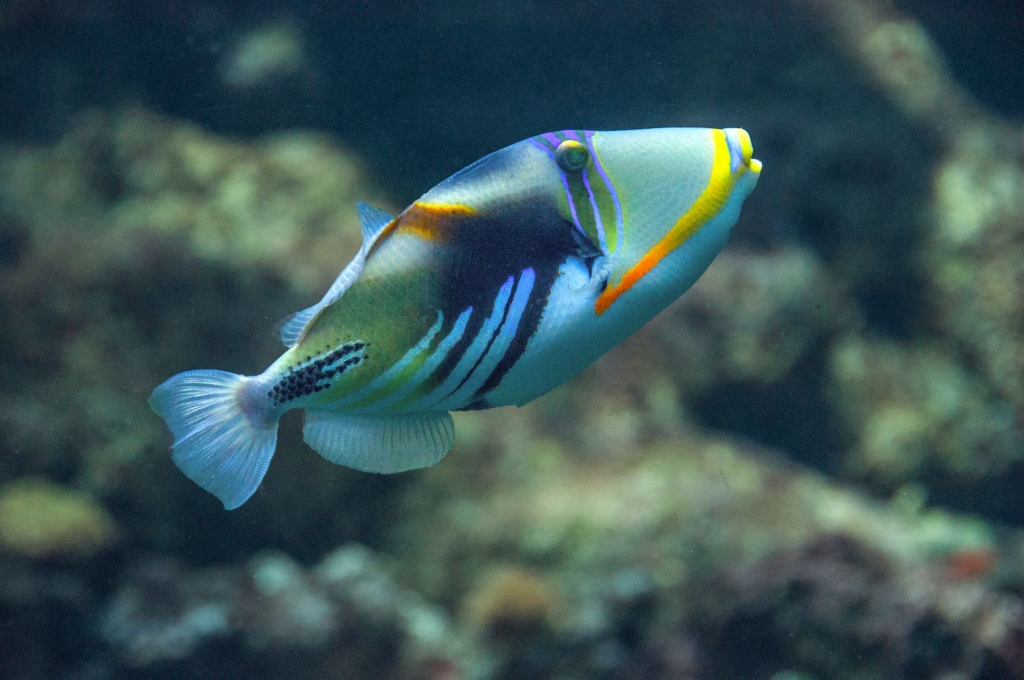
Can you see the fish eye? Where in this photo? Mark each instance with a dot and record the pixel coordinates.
(572, 156)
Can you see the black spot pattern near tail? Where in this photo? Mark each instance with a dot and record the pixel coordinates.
(314, 376)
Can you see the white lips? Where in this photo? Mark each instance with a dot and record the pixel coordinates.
(741, 151)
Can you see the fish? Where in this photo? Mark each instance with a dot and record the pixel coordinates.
(498, 285)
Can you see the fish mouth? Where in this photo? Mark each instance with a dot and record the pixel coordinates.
(741, 152)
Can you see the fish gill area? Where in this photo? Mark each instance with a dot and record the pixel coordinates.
(807, 468)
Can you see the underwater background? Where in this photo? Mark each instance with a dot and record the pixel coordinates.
(808, 468)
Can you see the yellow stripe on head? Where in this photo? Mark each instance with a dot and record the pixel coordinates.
(708, 204)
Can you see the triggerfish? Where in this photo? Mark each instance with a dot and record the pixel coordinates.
(499, 284)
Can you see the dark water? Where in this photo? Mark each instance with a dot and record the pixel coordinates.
(808, 467)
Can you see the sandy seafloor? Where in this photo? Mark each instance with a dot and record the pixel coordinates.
(808, 468)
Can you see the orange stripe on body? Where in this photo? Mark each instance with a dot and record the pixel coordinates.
(428, 220)
(707, 205)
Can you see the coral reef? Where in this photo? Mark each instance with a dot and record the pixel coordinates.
(915, 408)
(121, 226)
(834, 605)
(625, 549)
(344, 618)
(510, 602)
(975, 254)
(283, 205)
(39, 519)
(969, 262)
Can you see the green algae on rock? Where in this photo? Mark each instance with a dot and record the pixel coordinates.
(632, 542)
(283, 202)
(915, 407)
(680, 501)
(954, 396)
(344, 617)
(40, 519)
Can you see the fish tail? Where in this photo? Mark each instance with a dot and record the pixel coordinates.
(225, 431)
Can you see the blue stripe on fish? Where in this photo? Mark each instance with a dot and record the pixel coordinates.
(429, 366)
(472, 353)
(495, 352)
(389, 376)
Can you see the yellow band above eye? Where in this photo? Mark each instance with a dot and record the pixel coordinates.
(712, 199)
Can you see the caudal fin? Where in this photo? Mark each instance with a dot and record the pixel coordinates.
(223, 438)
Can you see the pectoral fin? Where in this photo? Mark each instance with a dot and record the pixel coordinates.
(383, 444)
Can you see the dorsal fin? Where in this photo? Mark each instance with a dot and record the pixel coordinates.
(373, 221)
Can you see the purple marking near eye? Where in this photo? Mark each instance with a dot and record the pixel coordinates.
(597, 213)
(553, 138)
(565, 181)
(611, 188)
(542, 146)
(571, 134)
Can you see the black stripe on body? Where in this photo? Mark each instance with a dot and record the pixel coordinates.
(493, 246)
(490, 343)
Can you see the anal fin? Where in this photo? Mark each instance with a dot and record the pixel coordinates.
(384, 444)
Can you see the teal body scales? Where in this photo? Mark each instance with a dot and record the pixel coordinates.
(496, 286)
